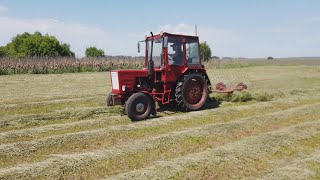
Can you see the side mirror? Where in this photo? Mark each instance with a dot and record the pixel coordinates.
(138, 46)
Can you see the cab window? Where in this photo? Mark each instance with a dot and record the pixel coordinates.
(157, 51)
(192, 52)
(175, 51)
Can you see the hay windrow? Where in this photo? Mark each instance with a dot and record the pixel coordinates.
(57, 126)
(81, 159)
(248, 147)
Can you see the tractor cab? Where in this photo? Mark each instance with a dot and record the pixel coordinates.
(167, 49)
(168, 56)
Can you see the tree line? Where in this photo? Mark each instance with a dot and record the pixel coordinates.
(39, 45)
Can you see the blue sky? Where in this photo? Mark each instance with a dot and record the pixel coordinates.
(246, 28)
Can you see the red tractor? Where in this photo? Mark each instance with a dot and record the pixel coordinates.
(173, 76)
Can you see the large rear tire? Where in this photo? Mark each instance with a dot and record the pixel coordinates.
(139, 106)
(191, 92)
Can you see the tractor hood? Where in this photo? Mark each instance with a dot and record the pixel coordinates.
(123, 81)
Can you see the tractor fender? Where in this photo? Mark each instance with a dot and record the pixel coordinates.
(148, 94)
(202, 71)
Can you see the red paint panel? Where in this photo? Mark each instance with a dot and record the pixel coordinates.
(128, 78)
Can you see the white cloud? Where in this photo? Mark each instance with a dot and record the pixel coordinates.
(224, 42)
(312, 19)
(79, 36)
(3, 8)
(218, 39)
(178, 29)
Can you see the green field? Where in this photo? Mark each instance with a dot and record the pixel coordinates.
(57, 126)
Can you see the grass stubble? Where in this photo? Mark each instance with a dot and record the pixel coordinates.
(58, 128)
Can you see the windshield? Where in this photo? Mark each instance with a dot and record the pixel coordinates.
(157, 51)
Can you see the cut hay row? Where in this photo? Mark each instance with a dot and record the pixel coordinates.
(304, 167)
(21, 148)
(69, 115)
(50, 136)
(35, 132)
(12, 105)
(230, 158)
(69, 162)
(52, 129)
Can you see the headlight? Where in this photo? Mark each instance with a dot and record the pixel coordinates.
(123, 88)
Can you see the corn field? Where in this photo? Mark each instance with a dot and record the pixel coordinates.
(67, 65)
(48, 65)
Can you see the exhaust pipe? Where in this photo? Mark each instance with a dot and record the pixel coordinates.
(150, 62)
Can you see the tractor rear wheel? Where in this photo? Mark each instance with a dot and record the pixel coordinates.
(139, 106)
(191, 92)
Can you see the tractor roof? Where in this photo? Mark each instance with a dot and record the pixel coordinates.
(173, 35)
(182, 35)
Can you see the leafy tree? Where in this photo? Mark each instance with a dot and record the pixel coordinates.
(205, 51)
(3, 51)
(65, 50)
(29, 45)
(94, 52)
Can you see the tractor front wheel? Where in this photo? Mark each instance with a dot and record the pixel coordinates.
(191, 92)
(109, 100)
(139, 106)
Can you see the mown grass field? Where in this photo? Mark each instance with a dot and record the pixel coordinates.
(56, 126)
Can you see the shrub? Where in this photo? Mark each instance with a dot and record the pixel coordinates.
(31, 45)
(94, 52)
(3, 51)
(205, 51)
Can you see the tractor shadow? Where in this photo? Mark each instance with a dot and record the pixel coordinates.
(210, 104)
